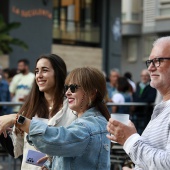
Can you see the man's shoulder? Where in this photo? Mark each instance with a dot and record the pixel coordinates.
(30, 75)
(17, 76)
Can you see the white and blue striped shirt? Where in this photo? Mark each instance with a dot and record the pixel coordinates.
(151, 151)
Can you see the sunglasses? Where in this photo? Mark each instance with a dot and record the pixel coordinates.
(72, 87)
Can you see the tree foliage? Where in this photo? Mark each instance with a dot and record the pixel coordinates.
(6, 40)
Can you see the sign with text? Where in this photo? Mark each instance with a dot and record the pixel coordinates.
(35, 17)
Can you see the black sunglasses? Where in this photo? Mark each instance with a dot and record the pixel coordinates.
(72, 87)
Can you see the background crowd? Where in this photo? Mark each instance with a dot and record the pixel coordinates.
(21, 85)
(16, 84)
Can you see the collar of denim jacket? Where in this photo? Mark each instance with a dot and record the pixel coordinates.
(91, 112)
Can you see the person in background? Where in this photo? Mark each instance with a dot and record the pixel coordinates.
(111, 86)
(150, 151)
(5, 73)
(4, 95)
(128, 75)
(46, 102)
(21, 83)
(106, 77)
(4, 110)
(8, 74)
(145, 94)
(123, 95)
(83, 145)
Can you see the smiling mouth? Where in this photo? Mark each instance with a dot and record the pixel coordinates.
(41, 83)
(70, 100)
(154, 75)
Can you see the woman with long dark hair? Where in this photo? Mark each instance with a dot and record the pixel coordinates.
(46, 102)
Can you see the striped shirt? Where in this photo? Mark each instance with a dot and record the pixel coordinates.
(151, 151)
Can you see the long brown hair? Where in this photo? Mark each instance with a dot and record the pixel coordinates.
(91, 81)
(36, 103)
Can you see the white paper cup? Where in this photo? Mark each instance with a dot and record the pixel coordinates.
(121, 117)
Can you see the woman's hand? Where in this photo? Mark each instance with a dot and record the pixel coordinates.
(43, 159)
(44, 168)
(6, 122)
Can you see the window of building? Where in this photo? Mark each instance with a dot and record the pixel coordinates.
(77, 22)
(131, 10)
(132, 49)
(164, 7)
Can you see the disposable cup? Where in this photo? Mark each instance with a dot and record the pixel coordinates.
(121, 117)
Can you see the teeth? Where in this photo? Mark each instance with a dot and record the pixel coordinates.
(42, 82)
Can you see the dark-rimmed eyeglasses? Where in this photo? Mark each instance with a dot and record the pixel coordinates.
(72, 87)
(156, 62)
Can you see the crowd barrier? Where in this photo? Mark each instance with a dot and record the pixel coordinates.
(11, 103)
(129, 104)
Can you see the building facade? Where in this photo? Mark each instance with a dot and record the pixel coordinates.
(105, 34)
(88, 32)
(143, 21)
(91, 28)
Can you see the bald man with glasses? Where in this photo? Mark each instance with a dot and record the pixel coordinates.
(151, 150)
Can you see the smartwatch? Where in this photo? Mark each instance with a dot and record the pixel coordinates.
(21, 120)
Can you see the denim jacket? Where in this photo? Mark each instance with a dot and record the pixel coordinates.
(81, 146)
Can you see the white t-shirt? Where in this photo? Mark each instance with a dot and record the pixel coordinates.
(20, 86)
(118, 98)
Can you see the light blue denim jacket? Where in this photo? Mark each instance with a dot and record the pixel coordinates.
(81, 146)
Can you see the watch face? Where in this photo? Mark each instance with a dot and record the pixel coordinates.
(21, 119)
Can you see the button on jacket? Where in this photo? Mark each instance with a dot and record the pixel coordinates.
(81, 146)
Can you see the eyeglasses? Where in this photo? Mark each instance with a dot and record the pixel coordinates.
(72, 87)
(156, 62)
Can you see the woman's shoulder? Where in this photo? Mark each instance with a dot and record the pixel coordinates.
(91, 117)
